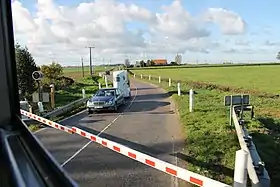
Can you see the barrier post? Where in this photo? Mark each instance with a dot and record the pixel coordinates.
(240, 169)
(159, 80)
(141, 76)
(191, 100)
(134, 75)
(99, 85)
(106, 82)
(179, 89)
(169, 82)
(149, 77)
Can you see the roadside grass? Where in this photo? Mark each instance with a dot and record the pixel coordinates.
(35, 127)
(210, 141)
(74, 92)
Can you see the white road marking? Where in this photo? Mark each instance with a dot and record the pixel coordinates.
(114, 120)
(75, 154)
(136, 91)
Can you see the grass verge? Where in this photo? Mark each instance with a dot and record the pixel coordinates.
(211, 143)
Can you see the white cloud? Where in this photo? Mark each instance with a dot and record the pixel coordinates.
(177, 22)
(22, 19)
(229, 22)
(242, 42)
(61, 32)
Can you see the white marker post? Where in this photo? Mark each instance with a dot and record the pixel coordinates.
(240, 169)
(179, 89)
(106, 82)
(134, 75)
(159, 79)
(99, 85)
(191, 100)
(41, 107)
(149, 77)
(84, 93)
(141, 76)
(169, 82)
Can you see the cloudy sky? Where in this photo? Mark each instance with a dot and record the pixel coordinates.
(201, 30)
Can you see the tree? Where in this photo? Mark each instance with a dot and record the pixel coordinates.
(127, 63)
(178, 59)
(142, 63)
(278, 56)
(25, 67)
(52, 71)
(149, 62)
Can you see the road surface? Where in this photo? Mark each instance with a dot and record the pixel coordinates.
(147, 123)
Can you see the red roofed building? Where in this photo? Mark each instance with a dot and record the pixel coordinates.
(160, 62)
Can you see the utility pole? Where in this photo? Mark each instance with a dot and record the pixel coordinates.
(90, 60)
(83, 66)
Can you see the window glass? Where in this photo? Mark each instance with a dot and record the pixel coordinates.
(117, 79)
(105, 93)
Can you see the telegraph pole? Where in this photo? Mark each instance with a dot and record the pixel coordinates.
(90, 60)
(83, 66)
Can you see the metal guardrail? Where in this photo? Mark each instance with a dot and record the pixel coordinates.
(60, 110)
(256, 169)
(65, 108)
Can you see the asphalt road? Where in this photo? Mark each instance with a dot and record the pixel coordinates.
(147, 123)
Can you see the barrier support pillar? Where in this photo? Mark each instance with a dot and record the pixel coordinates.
(240, 169)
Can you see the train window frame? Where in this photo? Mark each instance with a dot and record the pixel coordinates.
(36, 166)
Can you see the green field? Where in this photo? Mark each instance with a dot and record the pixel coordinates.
(77, 73)
(261, 78)
(210, 141)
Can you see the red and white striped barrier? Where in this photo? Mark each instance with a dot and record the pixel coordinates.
(166, 167)
(163, 166)
(47, 122)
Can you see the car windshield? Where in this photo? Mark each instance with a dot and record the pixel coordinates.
(105, 93)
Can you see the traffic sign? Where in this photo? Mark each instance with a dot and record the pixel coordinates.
(37, 75)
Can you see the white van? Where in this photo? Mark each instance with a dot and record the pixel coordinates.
(121, 81)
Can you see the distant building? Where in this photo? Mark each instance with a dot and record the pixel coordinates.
(160, 62)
